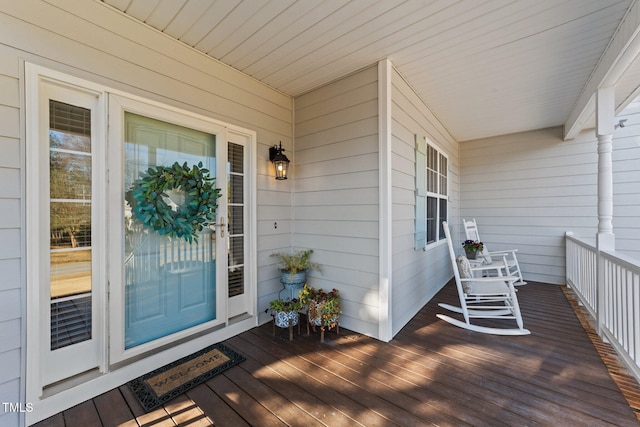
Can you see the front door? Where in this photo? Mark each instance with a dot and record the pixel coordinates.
(170, 281)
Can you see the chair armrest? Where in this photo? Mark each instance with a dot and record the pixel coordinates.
(504, 252)
(482, 267)
(491, 279)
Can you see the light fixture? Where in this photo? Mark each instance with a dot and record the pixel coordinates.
(279, 160)
(620, 124)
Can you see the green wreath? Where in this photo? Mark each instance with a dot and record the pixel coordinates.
(147, 198)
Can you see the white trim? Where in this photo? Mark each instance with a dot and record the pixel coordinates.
(385, 241)
(248, 140)
(439, 195)
(38, 83)
(54, 403)
(622, 50)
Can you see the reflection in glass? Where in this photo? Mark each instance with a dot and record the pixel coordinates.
(169, 283)
(70, 192)
(70, 175)
(70, 273)
(70, 224)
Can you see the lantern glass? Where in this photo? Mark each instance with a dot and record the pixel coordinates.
(281, 168)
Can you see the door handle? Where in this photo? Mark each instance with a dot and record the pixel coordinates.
(221, 225)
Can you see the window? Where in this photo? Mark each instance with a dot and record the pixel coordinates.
(70, 223)
(431, 193)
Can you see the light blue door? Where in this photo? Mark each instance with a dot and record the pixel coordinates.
(170, 283)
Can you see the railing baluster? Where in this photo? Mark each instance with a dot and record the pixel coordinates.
(620, 297)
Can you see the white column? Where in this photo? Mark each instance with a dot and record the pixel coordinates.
(605, 239)
(385, 246)
(605, 115)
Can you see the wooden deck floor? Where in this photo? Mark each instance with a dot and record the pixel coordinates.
(431, 373)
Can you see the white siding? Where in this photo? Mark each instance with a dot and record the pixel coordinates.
(626, 182)
(79, 38)
(11, 304)
(336, 192)
(526, 190)
(417, 275)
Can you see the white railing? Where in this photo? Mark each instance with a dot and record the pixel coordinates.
(611, 295)
(581, 272)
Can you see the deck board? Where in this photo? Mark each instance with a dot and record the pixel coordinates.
(431, 373)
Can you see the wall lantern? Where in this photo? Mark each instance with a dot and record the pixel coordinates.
(279, 160)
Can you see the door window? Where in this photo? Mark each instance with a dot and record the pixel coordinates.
(170, 282)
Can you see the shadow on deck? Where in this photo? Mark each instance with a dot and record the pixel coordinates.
(431, 373)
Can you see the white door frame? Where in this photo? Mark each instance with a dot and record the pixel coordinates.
(111, 375)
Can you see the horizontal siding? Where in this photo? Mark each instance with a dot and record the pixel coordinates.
(11, 304)
(94, 42)
(337, 194)
(626, 182)
(526, 190)
(417, 275)
(78, 39)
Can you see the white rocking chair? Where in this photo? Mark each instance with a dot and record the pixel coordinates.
(510, 266)
(482, 298)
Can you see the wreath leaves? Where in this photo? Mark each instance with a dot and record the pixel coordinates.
(198, 210)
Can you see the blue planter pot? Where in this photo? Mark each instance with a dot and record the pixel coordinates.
(282, 318)
(293, 280)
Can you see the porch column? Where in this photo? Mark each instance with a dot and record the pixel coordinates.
(605, 239)
(605, 115)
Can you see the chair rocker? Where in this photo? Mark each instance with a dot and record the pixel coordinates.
(482, 298)
(510, 266)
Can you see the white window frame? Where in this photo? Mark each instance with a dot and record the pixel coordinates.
(423, 193)
(38, 308)
(439, 195)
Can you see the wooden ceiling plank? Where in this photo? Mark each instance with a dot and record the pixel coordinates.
(165, 13)
(220, 25)
(528, 53)
(208, 21)
(377, 26)
(141, 9)
(325, 30)
(474, 44)
(185, 18)
(284, 27)
(454, 13)
(121, 5)
(233, 22)
(252, 25)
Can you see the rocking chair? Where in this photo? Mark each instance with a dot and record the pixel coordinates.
(510, 267)
(482, 298)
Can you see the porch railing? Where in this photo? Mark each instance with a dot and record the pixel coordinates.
(607, 283)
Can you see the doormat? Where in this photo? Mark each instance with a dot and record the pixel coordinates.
(163, 384)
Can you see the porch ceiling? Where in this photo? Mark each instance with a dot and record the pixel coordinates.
(485, 68)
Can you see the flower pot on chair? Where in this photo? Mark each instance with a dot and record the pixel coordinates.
(471, 254)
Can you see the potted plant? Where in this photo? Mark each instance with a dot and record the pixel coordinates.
(323, 308)
(472, 247)
(285, 313)
(294, 267)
